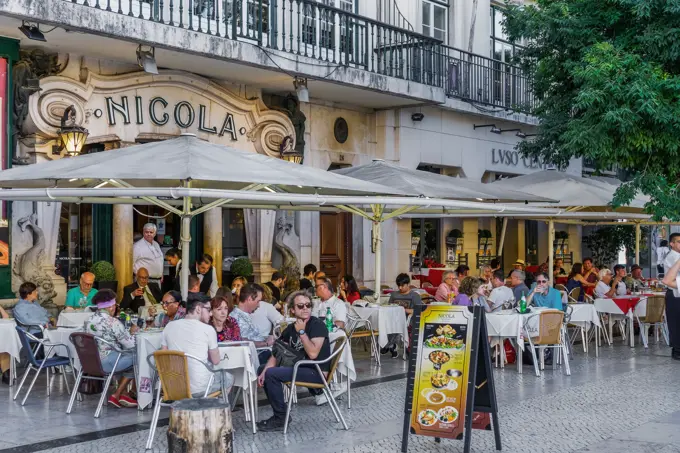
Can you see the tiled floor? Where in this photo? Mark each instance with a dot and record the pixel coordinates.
(625, 400)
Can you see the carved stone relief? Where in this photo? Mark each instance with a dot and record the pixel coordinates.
(29, 266)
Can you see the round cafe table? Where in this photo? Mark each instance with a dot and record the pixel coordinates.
(73, 318)
(622, 306)
(10, 343)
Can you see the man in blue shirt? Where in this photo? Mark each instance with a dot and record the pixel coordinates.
(28, 310)
(542, 295)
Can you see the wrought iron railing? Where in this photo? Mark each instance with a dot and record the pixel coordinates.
(486, 81)
(301, 27)
(389, 13)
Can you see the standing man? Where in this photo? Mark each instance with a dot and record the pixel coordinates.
(142, 293)
(147, 253)
(81, 296)
(174, 259)
(673, 296)
(207, 276)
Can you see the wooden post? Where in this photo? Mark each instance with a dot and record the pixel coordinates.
(200, 425)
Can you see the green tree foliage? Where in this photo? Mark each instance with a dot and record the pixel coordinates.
(606, 242)
(608, 76)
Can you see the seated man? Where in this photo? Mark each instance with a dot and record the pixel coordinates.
(408, 299)
(275, 286)
(326, 292)
(248, 300)
(142, 293)
(194, 336)
(81, 296)
(635, 279)
(309, 335)
(265, 317)
(619, 277)
(28, 310)
(102, 324)
(519, 288)
(543, 295)
(500, 293)
(603, 288)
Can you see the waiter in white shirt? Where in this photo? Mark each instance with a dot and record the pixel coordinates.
(673, 296)
(146, 253)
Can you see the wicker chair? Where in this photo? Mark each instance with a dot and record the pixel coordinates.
(574, 295)
(334, 360)
(173, 371)
(551, 334)
(654, 317)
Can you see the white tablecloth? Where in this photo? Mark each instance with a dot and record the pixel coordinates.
(61, 335)
(584, 315)
(147, 343)
(73, 318)
(510, 324)
(346, 364)
(9, 338)
(387, 319)
(144, 311)
(241, 361)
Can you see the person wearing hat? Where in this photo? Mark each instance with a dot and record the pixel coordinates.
(103, 325)
(520, 265)
(635, 279)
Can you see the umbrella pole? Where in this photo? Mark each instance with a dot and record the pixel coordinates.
(551, 250)
(502, 240)
(637, 243)
(185, 240)
(377, 246)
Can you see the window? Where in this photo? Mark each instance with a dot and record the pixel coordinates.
(501, 48)
(434, 20)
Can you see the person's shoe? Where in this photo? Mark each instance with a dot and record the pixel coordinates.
(114, 401)
(5, 377)
(395, 353)
(272, 424)
(127, 401)
(384, 351)
(675, 354)
(321, 399)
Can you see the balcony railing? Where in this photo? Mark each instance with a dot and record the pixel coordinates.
(486, 81)
(301, 27)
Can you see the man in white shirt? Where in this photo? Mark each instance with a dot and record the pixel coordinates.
(207, 276)
(619, 280)
(326, 292)
(265, 317)
(500, 293)
(147, 253)
(194, 336)
(673, 296)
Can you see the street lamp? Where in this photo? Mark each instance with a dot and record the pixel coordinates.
(288, 152)
(72, 136)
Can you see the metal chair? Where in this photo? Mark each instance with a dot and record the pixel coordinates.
(249, 403)
(574, 295)
(334, 359)
(44, 364)
(173, 371)
(551, 334)
(654, 317)
(91, 365)
(357, 327)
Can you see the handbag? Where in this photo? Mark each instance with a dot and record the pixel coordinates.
(285, 355)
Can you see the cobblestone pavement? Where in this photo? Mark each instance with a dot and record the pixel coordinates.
(625, 400)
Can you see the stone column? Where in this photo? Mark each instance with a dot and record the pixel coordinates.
(471, 242)
(122, 245)
(260, 238)
(575, 234)
(212, 239)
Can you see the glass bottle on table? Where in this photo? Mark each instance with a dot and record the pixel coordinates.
(523, 304)
(329, 320)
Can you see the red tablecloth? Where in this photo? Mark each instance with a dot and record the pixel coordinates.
(626, 304)
(561, 280)
(431, 291)
(435, 276)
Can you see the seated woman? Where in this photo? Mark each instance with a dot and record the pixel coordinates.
(543, 295)
(236, 285)
(448, 288)
(472, 292)
(349, 290)
(225, 326)
(103, 325)
(172, 304)
(576, 280)
(4, 357)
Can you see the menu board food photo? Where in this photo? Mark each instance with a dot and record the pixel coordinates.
(442, 366)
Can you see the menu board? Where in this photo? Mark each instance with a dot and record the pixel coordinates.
(442, 368)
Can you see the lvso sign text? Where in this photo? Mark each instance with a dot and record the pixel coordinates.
(510, 158)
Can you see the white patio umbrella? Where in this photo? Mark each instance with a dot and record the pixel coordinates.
(424, 184)
(580, 197)
(198, 176)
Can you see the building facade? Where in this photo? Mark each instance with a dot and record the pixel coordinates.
(424, 83)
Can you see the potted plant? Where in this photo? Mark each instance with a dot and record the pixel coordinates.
(483, 237)
(453, 236)
(104, 276)
(242, 267)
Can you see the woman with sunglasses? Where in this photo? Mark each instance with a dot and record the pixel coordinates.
(543, 295)
(172, 304)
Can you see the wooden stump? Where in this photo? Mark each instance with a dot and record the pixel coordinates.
(200, 425)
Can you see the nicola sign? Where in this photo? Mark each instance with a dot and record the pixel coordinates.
(513, 159)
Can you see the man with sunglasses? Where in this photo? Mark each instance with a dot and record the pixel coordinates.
(543, 295)
(308, 335)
